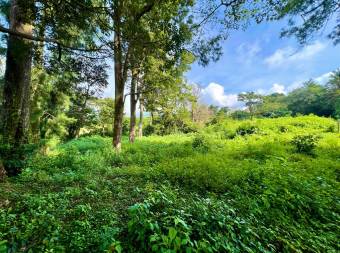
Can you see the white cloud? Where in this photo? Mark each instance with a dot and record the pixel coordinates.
(276, 88)
(294, 85)
(280, 88)
(289, 55)
(214, 94)
(247, 52)
(323, 79)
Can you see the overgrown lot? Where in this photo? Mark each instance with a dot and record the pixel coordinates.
(268, 185)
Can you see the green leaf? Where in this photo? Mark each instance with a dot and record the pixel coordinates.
(172, 233)
(3, 246)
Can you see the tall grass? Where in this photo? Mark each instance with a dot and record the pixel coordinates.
(215, 191)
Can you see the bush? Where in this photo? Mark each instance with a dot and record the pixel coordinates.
(14, 158)
(229, 135)
(190, 224)
(246, 130)
(164, 126)
(305, 143)
(149, 130)
(277, 113)
(283, 129)
(187, 128)
(200, 143)
(126, 127)
(240, 115)
(53, 223)
(331, 129)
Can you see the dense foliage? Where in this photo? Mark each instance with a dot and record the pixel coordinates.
(205, 178)
(225, 189)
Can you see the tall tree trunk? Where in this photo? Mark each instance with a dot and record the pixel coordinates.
(133, 106)
(193, 112)
(251, 111)
(119, 80)
(37, 86)
(141, 114)
(16, 102)
(119, 105)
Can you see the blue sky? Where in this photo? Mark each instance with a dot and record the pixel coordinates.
(257, 59)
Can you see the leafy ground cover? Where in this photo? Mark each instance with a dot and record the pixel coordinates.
(267, 185)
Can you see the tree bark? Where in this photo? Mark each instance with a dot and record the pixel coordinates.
(37, 86)
(152, 117)
(133, 106)
(16, 104)
(121, 65)
(119, 80)
(141, 114)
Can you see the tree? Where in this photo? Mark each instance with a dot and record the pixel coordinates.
(90, 80)
(86, 26)
(62, 24)
(163, 18)
(214, 109)
(15, 112)
(105, 108)
(166, 92)
(167, 95)
(333, 93)
(240, 115)
(133, 104)
(141, 116)
(41, 21)
(224, 110)
(273, 106)
(309, 99)
(196, 91)
(251, 100)
(1, 94)
(202, 114)
(306, 17)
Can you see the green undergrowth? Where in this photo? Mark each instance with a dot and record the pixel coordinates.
(237, 186)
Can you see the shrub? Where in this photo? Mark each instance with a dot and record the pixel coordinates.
(166, 127)
(229, 134)
(277, 113)
(283, 129)
(240, 115)
(305, 143)
(246, 130)
(14, 158)
(188, 128)
(126, 127)
(190, 224)
(299, 124)
(200, 143)
(53, 223)
(330, 129)
(149, 130)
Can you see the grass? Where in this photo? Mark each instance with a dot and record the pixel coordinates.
(215, 191)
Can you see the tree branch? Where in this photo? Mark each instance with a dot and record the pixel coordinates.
(209, 15)
(147, 8)
(47, 40)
